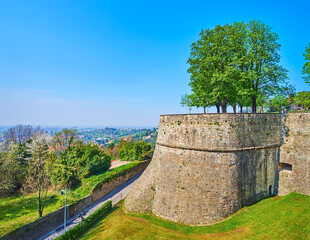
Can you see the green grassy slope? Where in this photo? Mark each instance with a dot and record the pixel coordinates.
(287, 217)
(19, 210)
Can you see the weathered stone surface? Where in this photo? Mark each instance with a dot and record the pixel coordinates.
(207, 166)
(294, 172)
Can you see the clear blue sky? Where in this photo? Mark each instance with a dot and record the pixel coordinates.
(119, 63)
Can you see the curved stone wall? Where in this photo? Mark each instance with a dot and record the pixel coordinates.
(207, 166)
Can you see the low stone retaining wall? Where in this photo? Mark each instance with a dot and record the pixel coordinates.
(47, 223)
(105, 188)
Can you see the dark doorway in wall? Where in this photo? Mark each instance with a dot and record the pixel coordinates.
(270, 190)
(285, 166)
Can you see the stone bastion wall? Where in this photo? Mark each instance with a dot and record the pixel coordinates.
(207, 166)
(294, 165)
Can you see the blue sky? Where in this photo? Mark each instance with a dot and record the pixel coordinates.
(119, 63)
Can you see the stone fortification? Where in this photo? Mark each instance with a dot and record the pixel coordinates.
(207, 166)
(294, 165)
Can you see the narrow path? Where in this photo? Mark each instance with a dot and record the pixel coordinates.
(116, 195)
(118, 163)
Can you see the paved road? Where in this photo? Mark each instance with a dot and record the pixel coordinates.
(116, 195)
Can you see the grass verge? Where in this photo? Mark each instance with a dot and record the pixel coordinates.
(287, 217)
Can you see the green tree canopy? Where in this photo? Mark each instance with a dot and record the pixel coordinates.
(38, 170)
(306, 67)
(303, 98)
(79, 161)
(233, 63)
(186, 101)
(279, 102)
(130, 151)
(63, 139)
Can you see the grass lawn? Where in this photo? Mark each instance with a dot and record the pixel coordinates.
(18, 210)
(287, 217)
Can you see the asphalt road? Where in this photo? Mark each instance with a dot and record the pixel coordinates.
(116, 195)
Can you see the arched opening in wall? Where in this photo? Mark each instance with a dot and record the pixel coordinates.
(270, 190)
(285, 166)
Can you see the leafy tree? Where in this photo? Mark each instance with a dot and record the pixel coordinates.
(290, 92)
(92, 161)
(8, 167)
(130, 151)
(64, 172)
(201, 99)
(213, 74)
(13, 164)
(63, 139)
(79, 161)
(186, 102)
(262, 73)
(303, 98)
(38, 170)
(279, 102)
(306, 67)
(231, 64)
(112, 149)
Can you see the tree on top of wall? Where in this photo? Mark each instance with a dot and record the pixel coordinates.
(186, 101)
(236, 63)
(306, 67)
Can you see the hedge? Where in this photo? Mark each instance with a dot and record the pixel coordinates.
(116, 172)
(82, 227)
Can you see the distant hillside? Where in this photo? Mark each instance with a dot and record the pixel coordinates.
(107, 135)
(104, 135)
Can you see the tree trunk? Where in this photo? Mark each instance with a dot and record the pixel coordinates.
(261, 109)
(234, 108)
(218, 108)
(241, 108)
(247, 109)
(254, 107)
(224, 108)
(204, 109)
(224, 105)
(39, 202)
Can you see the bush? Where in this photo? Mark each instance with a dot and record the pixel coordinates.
(79, 161)
(93, 161)
(82, 227)
(134, 151)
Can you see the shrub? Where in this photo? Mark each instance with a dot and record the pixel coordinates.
(79, 161)
(82, 227)
(134, 151)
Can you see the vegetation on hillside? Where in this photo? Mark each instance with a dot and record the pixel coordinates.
(285, 217)
(33, 162)
(18, 210)
(127, 149)
(105, 136)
